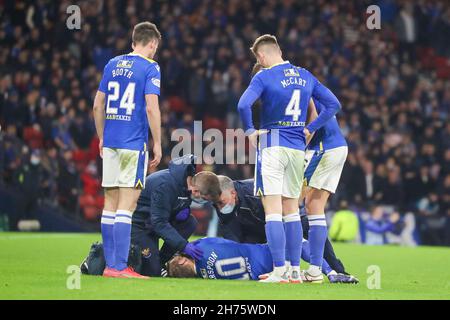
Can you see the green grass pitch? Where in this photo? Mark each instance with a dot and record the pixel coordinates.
(34, 266)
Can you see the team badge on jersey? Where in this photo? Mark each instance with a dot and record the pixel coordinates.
(291, 72)
(125, 64)
(146, 253)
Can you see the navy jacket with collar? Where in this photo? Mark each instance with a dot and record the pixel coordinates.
(246, 222)
(165, 194)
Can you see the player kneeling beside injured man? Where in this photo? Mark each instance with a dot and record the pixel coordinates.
(163, 213)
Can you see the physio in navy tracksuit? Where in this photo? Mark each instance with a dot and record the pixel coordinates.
(163, 212)
(242, 218)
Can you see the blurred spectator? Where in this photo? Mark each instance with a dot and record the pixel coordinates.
(378, 225)
(393, 84)
(61, 135)
(28, 181)
(91, 200)
(432, 220)
(344, 224)
(406, 28)
(68, 182)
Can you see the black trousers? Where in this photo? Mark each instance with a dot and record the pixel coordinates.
(153, 258)
(328, 253)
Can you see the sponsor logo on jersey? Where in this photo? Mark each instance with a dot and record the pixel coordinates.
(291, 123)
(124, 63)
(291, 72)
(156, 82)
(120, 117)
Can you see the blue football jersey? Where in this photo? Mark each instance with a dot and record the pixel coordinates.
(126, 80)
(226, 259)
(285, 91)
(329, 136)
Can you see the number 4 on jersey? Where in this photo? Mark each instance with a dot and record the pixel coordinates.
(127, 101)
(293, 107)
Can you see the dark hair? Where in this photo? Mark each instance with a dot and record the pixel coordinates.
(144, 32)
(262, 40)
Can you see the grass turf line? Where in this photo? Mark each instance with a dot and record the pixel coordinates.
(34, 266)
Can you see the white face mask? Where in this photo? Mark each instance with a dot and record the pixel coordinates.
(228, 208)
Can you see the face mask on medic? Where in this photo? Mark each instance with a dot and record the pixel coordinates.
(228, 208)
(200, 201)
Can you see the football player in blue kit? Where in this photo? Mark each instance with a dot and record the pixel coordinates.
(325, 158)
(125, 106)
(285, 92)
(226, 259)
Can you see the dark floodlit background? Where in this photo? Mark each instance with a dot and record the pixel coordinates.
(393, 84)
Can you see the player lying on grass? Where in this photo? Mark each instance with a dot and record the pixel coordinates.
(226, 259)
(241, 219)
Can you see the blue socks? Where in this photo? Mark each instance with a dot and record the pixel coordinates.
(107, 226)
(317, 236)
(276, 238)
(294, 236)
(122, 238)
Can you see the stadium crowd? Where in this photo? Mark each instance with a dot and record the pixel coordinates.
(393, 84)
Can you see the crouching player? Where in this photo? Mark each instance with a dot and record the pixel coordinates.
(226, 259)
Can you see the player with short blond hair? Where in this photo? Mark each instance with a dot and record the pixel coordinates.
(285, 91)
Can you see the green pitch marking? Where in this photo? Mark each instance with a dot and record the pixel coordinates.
(35, 266)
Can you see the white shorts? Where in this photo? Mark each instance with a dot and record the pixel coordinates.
(324, 168)
(279, 171)
(124, 168)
